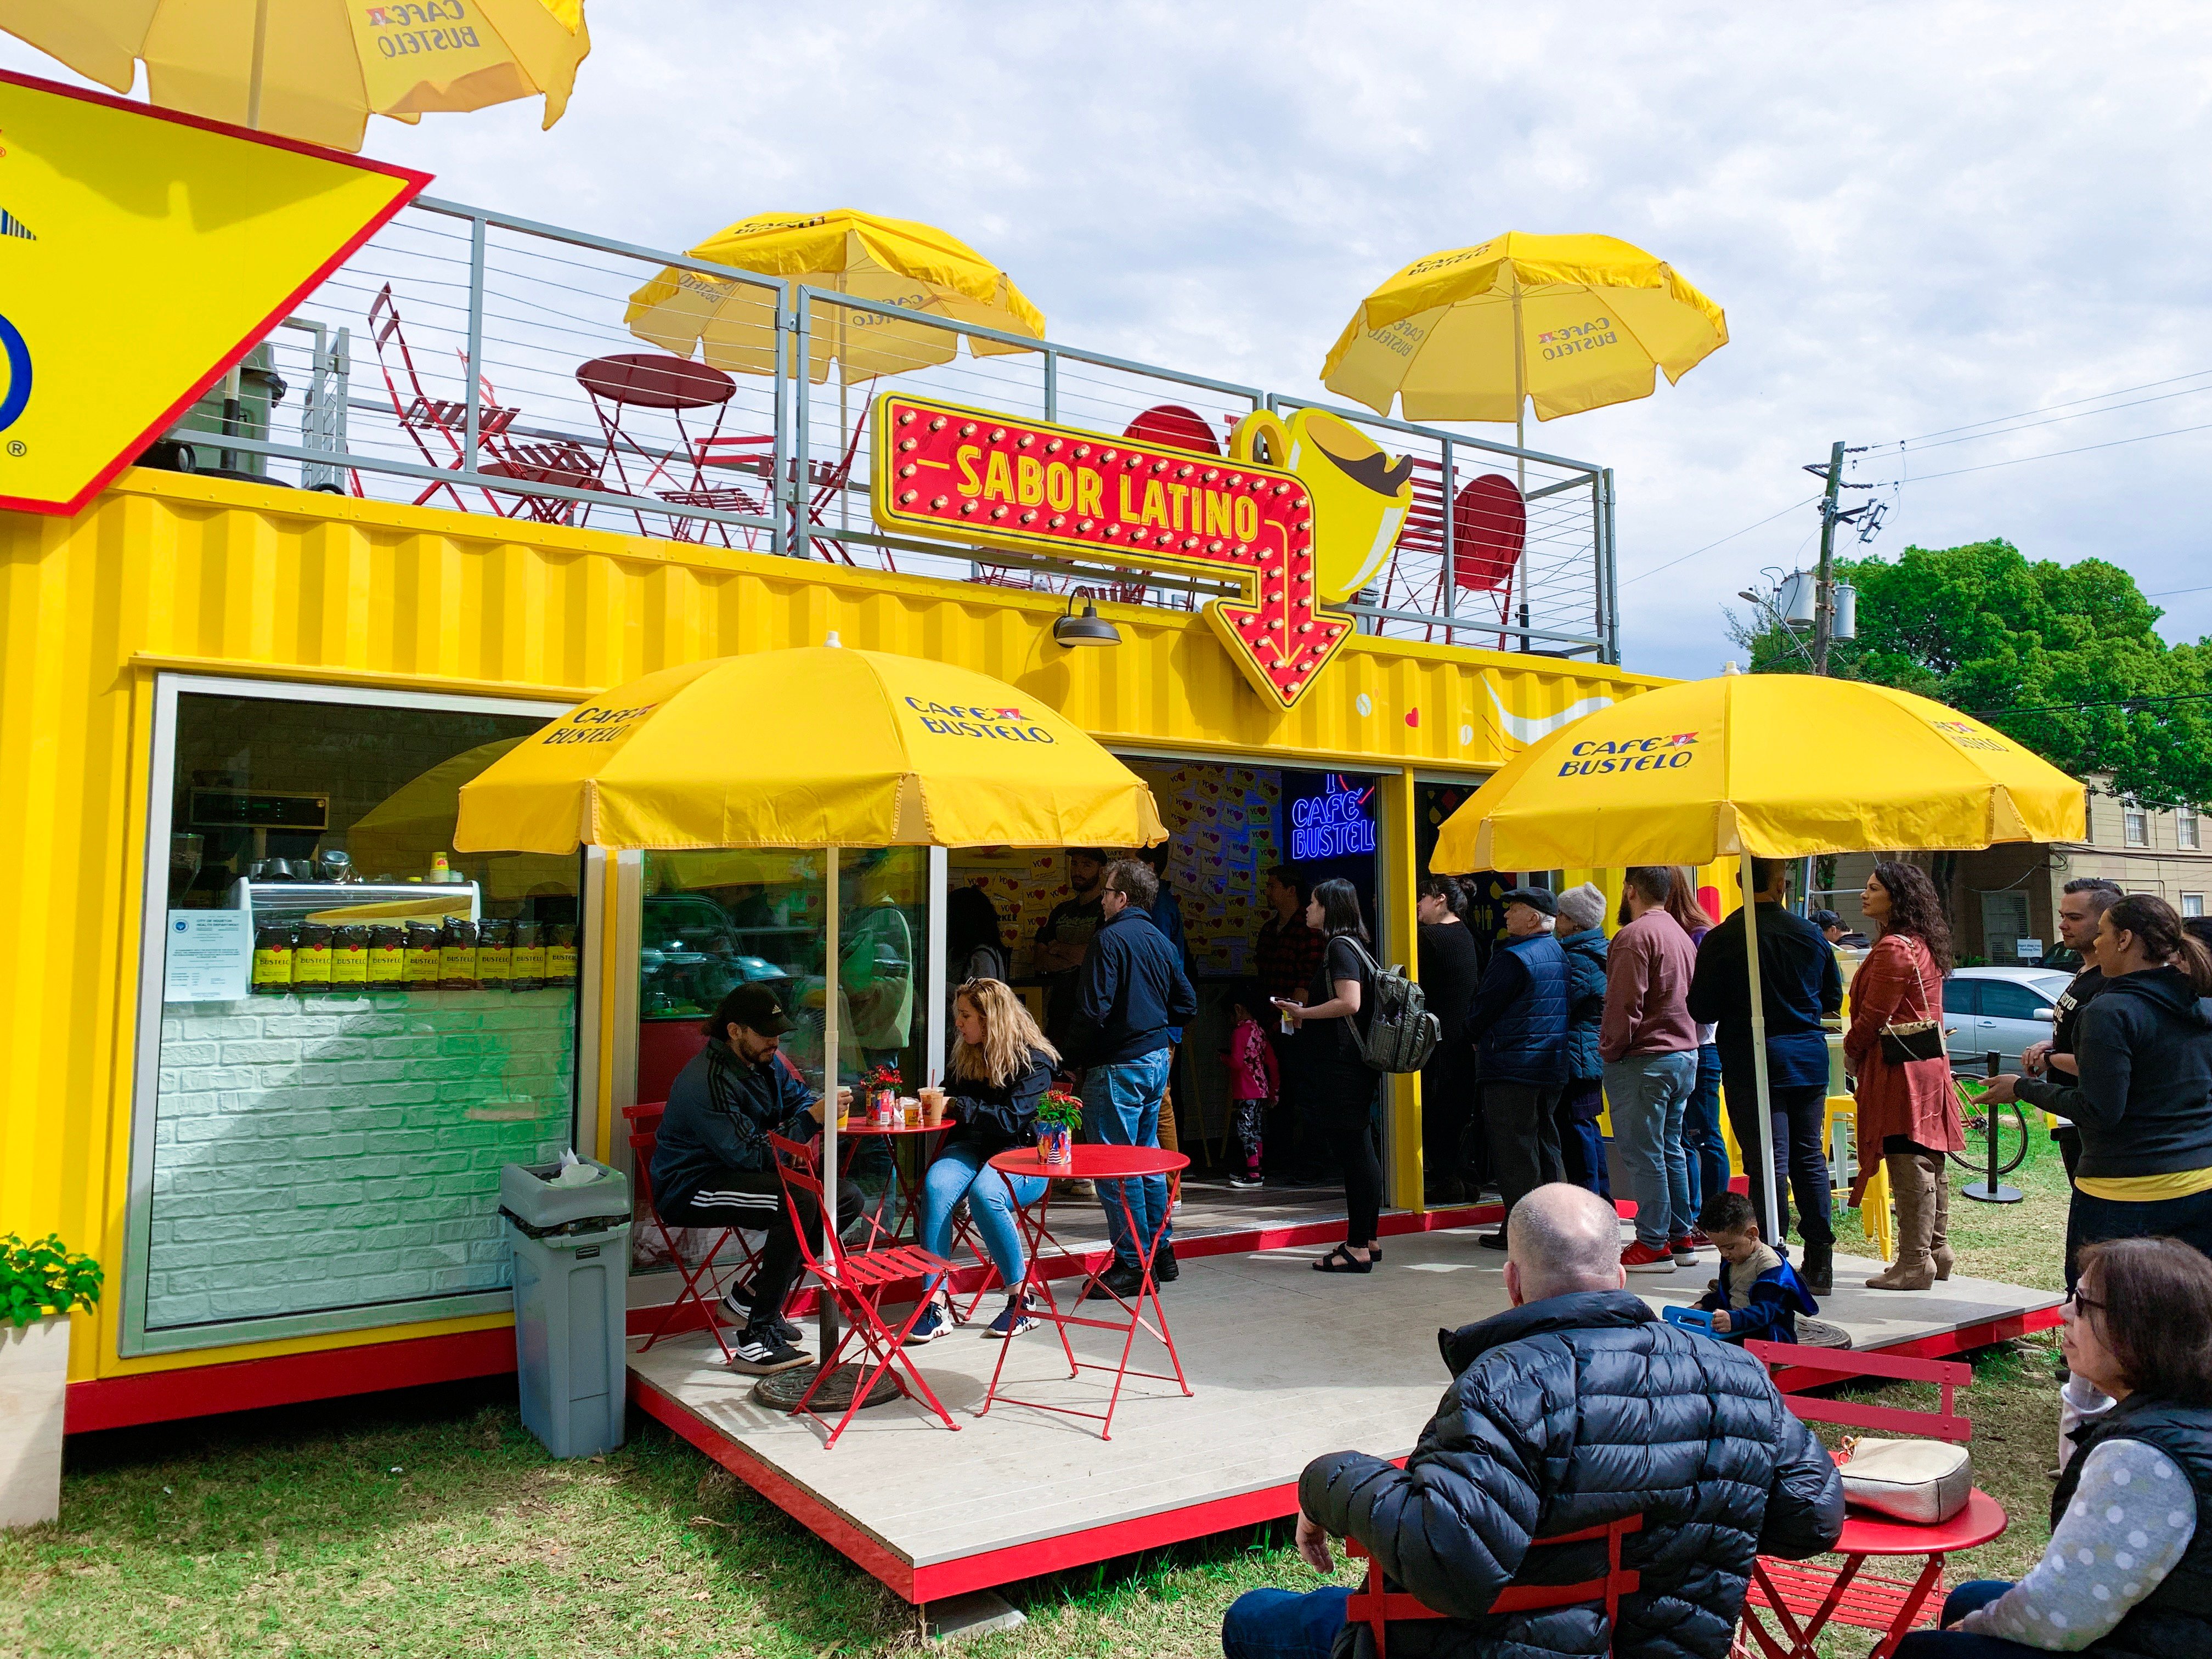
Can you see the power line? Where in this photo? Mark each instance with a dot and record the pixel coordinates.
(2109, 702)
(1710, 546)
(2030, 426)
(2173, 592)
(1998, 420)
(2051, 455)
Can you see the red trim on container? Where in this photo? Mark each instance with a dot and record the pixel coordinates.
(119, 1402)
(415, 183)
(831, 1526)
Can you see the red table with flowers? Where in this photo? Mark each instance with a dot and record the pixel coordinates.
(1090, 1162)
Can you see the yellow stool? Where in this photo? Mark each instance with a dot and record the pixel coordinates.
(1874, 1209)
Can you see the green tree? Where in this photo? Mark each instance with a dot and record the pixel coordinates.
(1984, 629)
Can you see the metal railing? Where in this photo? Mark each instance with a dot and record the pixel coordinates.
(445, 363)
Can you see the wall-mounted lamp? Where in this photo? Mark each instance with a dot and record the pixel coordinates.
(1088, 629)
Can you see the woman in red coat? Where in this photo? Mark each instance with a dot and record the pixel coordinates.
(1907, 1111)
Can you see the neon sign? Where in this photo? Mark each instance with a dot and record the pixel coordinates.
(1333, 823)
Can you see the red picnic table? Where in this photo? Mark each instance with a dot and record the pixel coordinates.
(1805, 1599)
(1090, 1162)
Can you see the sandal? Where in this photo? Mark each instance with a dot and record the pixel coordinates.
(1341, 1261)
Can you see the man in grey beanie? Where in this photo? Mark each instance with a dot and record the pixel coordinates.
(1581, 934)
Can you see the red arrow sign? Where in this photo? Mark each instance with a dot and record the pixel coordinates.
(966, 475)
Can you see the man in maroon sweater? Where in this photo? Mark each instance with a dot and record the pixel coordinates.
(1650, 1046)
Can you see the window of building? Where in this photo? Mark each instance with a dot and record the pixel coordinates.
(2135, 826)
(2184, 828)
(347, 1027)
(2192, 904)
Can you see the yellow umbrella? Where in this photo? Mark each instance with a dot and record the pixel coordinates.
(414, 823)
(1779, 765)
(315, 69)
(1474, 333)
(1771, 765)
(817, 747)
(814, 747)
(915, 267)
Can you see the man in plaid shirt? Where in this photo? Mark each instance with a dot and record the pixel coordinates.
(1284, 959)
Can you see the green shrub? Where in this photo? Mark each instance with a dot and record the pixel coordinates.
(43, 1278)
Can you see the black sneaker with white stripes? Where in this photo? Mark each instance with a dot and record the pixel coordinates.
(762, 1352)
(737, 1308)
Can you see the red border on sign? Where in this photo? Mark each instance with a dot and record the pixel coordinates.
(416, 184)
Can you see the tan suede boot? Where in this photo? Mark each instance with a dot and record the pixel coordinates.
(1914, 1191)
(1939, 1237)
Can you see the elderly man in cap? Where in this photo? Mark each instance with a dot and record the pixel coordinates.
(713, 1167)
(1518, 1024)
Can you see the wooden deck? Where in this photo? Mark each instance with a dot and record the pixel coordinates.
(1287, 1363)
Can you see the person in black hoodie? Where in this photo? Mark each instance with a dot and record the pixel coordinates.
(2144, 1104)
(1577, 1409)
(999, 1069)
(713, 1167)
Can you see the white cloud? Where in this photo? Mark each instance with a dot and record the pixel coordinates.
(1916, 215)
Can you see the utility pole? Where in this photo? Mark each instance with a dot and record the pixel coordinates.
(1824, 584)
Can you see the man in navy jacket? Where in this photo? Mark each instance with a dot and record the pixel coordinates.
(1131, 999)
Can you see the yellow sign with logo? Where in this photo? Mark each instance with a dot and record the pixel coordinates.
(142, 253)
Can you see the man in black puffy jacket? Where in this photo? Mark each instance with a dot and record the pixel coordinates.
(1577, 1408)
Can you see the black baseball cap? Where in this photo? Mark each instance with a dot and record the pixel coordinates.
(755, 1008)
(1824, 919)
(1537, 899)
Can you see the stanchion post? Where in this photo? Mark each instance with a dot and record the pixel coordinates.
(1991, 1190)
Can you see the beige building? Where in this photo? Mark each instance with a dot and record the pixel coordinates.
(2008, 895)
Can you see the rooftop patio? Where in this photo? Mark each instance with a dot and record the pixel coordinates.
(570, 417)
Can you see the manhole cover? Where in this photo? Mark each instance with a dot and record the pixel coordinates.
(1820, 1334)
(782, 1391)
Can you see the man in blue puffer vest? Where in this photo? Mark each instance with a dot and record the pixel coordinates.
(1517, 1022)
(1575, 1409)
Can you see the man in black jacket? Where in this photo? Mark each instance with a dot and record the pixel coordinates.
(2081, 907)
(713, 1167)
(1132, 995)
(1575, 1409)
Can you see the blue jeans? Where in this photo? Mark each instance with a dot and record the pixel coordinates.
(1702, 1145)
(1969, 1597)
(1278, 1624)
(1647, 1094)
(1121, 1107)
(960, 1172)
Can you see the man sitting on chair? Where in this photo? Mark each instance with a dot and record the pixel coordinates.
(713, 1167)
(1577, 1409)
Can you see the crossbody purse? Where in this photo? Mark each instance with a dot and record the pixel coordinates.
(1916, 1039)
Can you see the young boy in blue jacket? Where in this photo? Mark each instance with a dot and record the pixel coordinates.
(1758, 1295)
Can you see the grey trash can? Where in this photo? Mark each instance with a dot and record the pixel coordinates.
(570, 1248)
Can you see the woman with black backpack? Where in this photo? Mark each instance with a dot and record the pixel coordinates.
(1339, 1084)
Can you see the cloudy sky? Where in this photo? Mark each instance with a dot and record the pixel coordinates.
(1919, 218)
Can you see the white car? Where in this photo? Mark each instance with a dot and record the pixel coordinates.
(2000, 1010)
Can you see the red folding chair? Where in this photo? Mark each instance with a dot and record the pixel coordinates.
(753, 453)
(645, 1135)
(856, 1281)
(1375, 1604)
(419, 413)
(1804, 1597)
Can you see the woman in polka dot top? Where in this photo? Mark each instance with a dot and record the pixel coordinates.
(2130, 1568)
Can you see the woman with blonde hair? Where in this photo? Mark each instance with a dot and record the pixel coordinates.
(997, 1072)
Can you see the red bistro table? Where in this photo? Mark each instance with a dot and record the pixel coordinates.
(1805, 1599)
(1091, 1162)
(850, 1130)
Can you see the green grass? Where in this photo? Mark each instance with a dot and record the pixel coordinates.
(429, 1524)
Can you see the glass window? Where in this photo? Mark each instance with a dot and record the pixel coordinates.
(2134, 826)
(329, 1124)
(2184, 828)
(2192, 904)
(1958, 996)
(2004, 999)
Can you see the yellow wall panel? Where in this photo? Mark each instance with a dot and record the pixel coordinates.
(166, 570)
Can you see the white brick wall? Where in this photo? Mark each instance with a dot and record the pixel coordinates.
(335, 1151)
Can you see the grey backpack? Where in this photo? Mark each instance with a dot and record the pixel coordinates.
(1397, 1032)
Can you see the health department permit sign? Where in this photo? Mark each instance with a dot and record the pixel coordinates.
(964, 475)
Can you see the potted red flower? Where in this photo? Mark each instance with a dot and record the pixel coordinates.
(1059, 1114)
(882, 1086)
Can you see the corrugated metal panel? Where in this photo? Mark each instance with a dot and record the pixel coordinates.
(172, 571)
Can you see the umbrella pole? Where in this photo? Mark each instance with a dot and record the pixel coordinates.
(1766, 1103)
(826, 1314)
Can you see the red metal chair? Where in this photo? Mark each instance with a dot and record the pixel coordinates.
(753, 453)
(1804, 1597)
(1490, 529)
(1173, 427)
(856, 1281)
(419, 413)
(645, 1135)
(1375, 1604)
